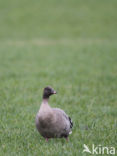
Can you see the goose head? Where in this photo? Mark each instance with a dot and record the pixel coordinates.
(47, 92)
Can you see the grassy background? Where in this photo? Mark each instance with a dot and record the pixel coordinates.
(72, 46)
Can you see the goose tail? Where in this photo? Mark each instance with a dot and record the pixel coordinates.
(70, 132)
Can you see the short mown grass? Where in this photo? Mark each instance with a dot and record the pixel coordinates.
(71, 46)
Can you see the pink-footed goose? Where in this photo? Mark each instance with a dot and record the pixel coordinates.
(52, 122)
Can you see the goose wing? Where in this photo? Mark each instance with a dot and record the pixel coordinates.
(65, 115)
(64, 122)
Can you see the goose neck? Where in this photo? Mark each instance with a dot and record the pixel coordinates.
(45, 101)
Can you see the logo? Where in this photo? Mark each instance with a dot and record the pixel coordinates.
(99, 149)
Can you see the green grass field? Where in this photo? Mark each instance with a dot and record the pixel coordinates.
(71, 46)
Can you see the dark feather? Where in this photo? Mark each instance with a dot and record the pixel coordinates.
(71, 123)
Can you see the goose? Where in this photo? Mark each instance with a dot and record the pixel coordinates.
(52, 122)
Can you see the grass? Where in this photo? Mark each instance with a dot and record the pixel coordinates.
(72, 46)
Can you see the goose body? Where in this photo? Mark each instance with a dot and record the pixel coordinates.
(52, 122)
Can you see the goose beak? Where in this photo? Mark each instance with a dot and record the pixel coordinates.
(54, 92)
